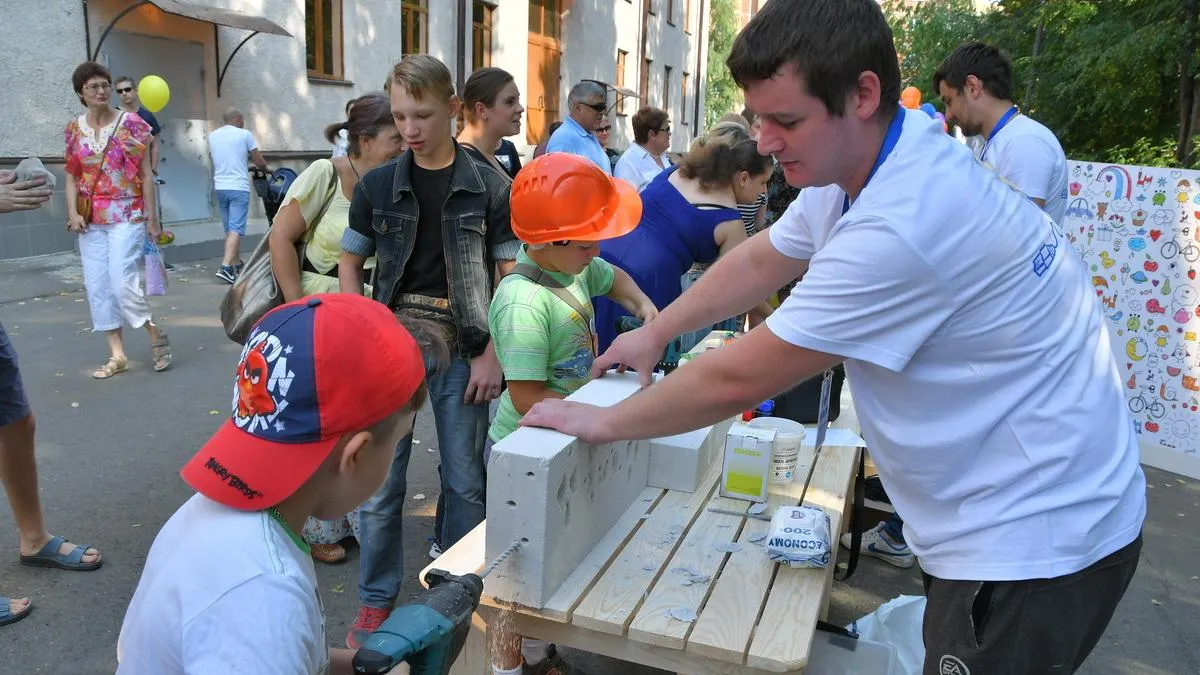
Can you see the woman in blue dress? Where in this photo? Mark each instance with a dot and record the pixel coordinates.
(689, 215)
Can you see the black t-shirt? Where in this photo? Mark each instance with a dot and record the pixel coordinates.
(509, 158)
(425, 273)
(510, 162)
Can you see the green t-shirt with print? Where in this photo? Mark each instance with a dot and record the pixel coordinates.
(539, 337)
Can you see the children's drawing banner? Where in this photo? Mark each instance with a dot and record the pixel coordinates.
(1138, 230)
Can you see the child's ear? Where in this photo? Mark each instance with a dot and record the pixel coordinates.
(356, 444)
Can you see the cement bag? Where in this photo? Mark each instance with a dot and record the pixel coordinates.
(897, 623)
(799, 537)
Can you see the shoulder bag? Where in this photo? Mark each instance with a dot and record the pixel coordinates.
(256, 290)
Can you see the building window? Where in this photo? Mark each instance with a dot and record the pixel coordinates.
(414, 26)
(323, 37)
(644, 85)
(667, 89)
(481, 35)
(683, 97)
(671, 12)
(687, 16)
(544, 18)
(620, 80)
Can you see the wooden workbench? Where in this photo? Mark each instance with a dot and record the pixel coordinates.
(753, 617)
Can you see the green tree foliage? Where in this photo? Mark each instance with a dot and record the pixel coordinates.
(1103, 74)
(721, 94)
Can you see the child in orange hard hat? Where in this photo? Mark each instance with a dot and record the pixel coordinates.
(541, 318)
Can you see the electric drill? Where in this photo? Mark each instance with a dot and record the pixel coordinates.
(428, 633)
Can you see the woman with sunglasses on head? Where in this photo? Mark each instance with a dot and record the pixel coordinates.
(318, 215)
(491, 109)
(108, 165)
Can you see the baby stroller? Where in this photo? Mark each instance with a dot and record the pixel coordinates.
(271, 187)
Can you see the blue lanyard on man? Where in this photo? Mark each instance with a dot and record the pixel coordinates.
(889, 144)
(1004, 120)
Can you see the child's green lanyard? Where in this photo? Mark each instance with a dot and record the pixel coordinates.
(303, 545)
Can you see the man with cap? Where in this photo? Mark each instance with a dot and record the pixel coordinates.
(324, 389)
(541, 318)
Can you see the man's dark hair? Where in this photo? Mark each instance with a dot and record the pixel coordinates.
(646, 120)
(831, 42)
(990, 64)
(122, 79)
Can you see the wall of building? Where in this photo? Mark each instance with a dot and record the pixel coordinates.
(268, 81)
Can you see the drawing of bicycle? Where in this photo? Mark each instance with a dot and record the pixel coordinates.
(1155, 409)
(1190, 252)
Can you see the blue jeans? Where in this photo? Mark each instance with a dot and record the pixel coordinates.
(461, 432)
(235, 210)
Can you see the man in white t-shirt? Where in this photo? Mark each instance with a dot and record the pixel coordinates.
(231, 146)
(982, 371)
(976, 84)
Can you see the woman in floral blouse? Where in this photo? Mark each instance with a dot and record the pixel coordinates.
(108, 164)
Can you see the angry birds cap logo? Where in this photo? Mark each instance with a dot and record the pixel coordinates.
(274, 393)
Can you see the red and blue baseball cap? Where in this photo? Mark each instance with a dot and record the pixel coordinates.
(311, 371)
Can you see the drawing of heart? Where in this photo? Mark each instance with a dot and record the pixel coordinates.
(1155, 307)
(1191, 274)
(1155, 234)
(1154, 282)
(1150, 266)
(1181, 316)
(1152, 427)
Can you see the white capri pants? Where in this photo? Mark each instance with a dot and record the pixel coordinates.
(110, 255)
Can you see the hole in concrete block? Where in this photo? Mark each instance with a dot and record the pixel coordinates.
(529, 474)
(511, 503)
(524, 540)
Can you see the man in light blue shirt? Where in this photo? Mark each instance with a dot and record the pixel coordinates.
(588, 108)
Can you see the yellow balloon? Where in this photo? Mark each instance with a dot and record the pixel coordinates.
(154, 93)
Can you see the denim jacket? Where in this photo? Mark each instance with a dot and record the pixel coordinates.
(476, 232)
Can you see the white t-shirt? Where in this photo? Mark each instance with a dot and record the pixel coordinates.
(230, 147)
(637, 166)
(1030, 157)
(983, 377)
(224, 591)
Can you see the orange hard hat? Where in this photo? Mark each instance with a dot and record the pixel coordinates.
(559, 197)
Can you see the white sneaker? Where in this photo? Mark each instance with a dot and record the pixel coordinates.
(877, 544)
(435, 551)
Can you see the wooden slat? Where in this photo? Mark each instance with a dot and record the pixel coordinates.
(616, 597)
(724, 628)
(783, 638)
(698, 554)
(617, 646)
(463, 557)
(576, 586)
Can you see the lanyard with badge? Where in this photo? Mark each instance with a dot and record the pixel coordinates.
(889, 143)
(1004, 120)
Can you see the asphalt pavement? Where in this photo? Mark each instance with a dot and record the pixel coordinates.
(109, 453)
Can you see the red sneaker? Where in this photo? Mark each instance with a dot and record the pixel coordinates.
(367, 621)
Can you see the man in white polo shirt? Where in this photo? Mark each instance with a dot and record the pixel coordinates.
(976, 84)
(982, 373)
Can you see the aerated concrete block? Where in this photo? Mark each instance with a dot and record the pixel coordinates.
(678, 462)
(561, 496)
